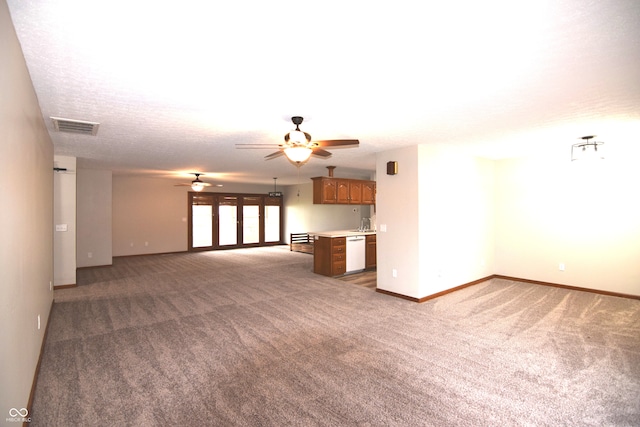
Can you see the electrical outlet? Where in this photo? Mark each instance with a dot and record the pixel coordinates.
(561, 266)
(394, 273)
(89, 254)
(38, 322)
(50, 285)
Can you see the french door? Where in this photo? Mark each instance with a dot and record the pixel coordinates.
(224, 221)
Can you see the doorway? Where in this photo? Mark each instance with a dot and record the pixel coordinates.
(228, 221)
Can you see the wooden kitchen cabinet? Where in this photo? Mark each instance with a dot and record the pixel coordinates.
(349, 192)
(355, 192)
(370, 252)
(343, 191)
(325, 190)
(368, 192)
(330, 255)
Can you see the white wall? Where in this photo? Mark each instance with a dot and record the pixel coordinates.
(94, 220)
(438, 213)
(151, 211)
(26, 242)
(398, 210)
(456, 219)
(585, 215)
(452, 219)
(64, 215)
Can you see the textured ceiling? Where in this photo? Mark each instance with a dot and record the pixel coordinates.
(175, 85)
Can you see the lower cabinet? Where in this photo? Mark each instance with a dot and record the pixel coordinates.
(330, 255)
(370, 254)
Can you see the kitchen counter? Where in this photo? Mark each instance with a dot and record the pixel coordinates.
(342, 233)
(343, 251)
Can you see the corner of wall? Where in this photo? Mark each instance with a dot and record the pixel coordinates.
(64, 218)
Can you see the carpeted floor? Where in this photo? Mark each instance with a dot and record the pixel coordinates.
(252, 337)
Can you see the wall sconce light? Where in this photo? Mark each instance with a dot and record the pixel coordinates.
(392, 168)
(587, 149)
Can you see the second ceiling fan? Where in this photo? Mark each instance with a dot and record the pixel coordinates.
(197, 184)
(298, 146)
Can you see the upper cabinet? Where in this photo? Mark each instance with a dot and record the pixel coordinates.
(343, 191)
(325, 191)
(368, 192)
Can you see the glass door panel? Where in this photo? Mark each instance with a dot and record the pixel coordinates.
(250, 224)
(201, 221)
(251, 220)
(271, 223)
(228, 221)
(202, 232)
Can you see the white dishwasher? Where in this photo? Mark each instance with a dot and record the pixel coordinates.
(356, 246)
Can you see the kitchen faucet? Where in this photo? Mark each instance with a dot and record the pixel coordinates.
(365, 224)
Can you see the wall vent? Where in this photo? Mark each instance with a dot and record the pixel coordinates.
(75, 126)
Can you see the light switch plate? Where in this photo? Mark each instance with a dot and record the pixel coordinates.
(61, 227)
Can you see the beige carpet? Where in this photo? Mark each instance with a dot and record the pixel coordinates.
(253, 337)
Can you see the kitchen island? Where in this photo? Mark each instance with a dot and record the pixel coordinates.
(342, 252)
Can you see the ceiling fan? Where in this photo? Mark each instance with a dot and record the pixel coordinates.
(197, 184)
(298, 147)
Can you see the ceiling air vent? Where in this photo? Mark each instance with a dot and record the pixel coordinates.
(75, 126)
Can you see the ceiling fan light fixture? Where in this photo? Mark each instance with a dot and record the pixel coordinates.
(298, 147)
(196, 184)
(298, 154)
(297, 137)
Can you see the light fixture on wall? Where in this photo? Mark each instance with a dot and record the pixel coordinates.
(587, 149)
(392, 168)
